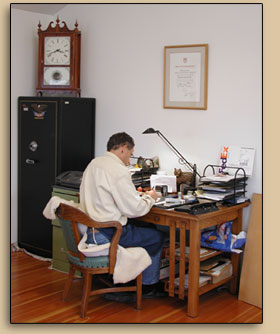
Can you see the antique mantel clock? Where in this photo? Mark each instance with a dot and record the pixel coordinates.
(59, 60)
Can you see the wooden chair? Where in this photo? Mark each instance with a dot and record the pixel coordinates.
(69, 218)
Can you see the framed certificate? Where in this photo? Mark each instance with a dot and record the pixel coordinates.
(185, 76)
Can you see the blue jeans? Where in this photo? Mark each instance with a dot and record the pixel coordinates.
(136, 236)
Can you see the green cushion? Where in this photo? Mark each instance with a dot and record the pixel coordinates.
(90, 262)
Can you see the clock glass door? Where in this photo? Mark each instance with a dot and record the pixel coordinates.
(59, 76)
(57, 50)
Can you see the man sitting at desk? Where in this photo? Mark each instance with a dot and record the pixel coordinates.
(107, 193)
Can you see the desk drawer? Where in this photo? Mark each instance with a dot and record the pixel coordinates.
(154, 218)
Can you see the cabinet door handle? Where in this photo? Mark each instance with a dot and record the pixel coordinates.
(30, 162)
(157, 219)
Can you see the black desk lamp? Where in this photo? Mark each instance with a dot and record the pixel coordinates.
(182, 160)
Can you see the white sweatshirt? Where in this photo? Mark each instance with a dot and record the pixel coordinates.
(107, 192)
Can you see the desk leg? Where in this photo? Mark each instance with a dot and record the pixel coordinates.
(235, 258)
(194, 266)
(182, 268)
(172, 240)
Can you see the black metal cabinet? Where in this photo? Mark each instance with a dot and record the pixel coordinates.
(56, 134)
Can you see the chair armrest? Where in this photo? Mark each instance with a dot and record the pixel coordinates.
(114, 244)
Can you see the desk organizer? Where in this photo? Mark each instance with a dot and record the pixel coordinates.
(231, 190)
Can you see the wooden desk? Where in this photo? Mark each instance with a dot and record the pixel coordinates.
(194, 223)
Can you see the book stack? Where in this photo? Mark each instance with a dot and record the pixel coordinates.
(220, 187)
(164, 268)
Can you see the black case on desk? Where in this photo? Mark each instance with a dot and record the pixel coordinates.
(63, 129)
(198, 208)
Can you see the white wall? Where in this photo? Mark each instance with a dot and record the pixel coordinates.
(23, 82)
(122, 67)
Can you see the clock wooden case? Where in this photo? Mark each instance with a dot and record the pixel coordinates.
(59, 59)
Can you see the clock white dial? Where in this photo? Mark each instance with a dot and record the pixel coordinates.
(57, 50)
(59, 76)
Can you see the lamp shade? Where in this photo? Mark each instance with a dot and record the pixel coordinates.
(149, 130)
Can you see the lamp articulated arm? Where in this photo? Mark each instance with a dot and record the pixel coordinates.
(183, 160)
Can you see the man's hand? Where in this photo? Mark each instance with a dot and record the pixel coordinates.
(153, 194)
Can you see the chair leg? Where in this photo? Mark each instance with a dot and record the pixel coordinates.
(86, 293)
(139, 292)
(68, 282)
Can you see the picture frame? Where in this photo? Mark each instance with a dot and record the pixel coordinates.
(185, 76)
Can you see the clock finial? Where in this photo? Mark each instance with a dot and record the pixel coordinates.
(76, 26)
(57, 20)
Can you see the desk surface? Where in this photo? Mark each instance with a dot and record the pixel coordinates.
(222, 210)
(205, 220)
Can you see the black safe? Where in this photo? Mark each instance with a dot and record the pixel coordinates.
(56, 134)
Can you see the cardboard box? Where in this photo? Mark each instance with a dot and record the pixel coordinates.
(218, 268)
(225, 273)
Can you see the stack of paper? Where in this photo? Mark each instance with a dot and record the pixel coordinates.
(221, 178)
(203, 280)
(222, 187)
(218, 196)
(203, 251)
